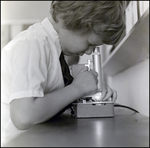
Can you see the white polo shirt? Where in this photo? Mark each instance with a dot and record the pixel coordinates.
(29, 68)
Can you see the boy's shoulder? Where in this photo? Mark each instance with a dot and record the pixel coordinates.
(36, 31)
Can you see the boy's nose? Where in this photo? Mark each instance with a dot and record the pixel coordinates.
(89, 51)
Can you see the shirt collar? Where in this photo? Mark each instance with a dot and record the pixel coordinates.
(49, 29)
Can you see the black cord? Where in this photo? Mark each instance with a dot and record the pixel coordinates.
(118, 105)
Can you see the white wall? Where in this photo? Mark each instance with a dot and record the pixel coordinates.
(132, 87)
(12, 10)
(17, 16)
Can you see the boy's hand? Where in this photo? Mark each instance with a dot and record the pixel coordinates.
(108, 93)
(78, 68)
(85, 81)
(91, 81)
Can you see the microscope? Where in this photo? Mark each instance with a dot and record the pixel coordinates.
(92, 105)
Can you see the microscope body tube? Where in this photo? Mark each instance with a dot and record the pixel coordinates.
(97, 66)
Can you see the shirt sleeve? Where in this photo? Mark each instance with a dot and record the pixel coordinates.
(28, 60)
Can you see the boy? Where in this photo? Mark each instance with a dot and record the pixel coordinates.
(33, 88)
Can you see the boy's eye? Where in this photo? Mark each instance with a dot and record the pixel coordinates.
(89, 44)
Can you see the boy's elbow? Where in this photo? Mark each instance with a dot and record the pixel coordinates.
(20, 122)
(20, 116)
(21, 125)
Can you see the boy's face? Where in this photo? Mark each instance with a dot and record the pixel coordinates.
(77, 44)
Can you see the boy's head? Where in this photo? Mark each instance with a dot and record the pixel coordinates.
(104, 18)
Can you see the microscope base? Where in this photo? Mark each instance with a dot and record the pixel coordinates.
(94, 109)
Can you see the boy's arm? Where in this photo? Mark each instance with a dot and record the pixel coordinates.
(26, 112)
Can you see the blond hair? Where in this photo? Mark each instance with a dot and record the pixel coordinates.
(105, 18)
